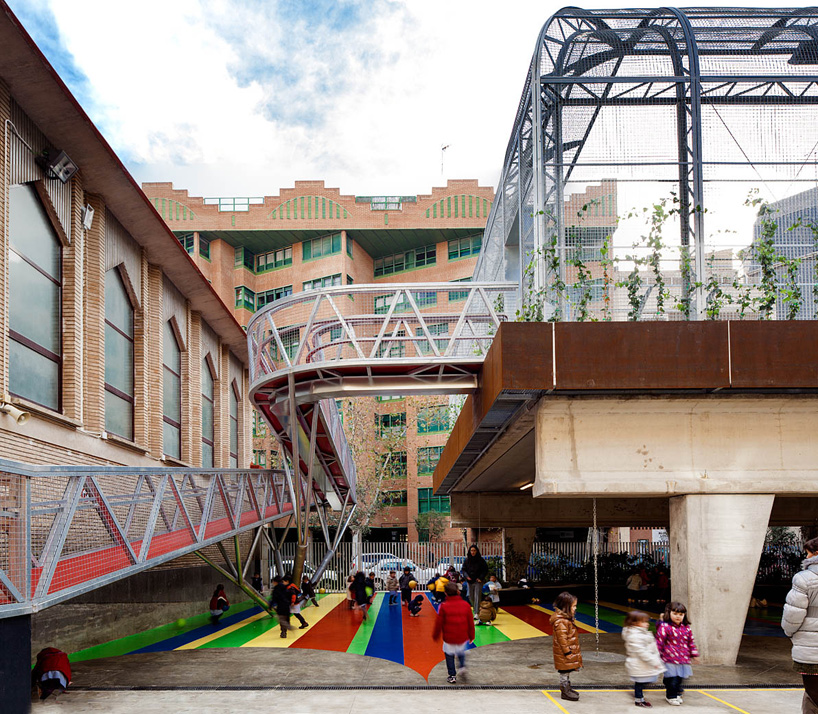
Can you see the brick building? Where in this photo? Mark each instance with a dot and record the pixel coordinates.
(257, 250)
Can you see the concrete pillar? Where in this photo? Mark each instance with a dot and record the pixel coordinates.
(15, 663)
(715, 545)
(517, 544)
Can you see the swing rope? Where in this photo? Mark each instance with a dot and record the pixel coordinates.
(596, 583)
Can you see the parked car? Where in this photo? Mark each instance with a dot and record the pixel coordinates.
(329, 578)
(444, 564)
(382, 568)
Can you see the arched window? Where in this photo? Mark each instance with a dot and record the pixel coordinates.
(208, 429)
(119, 357)
(234, 427)
(35, 301)
(172, 394)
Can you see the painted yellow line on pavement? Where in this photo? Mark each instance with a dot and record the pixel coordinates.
(580, 625)
(556, 703)
(221, 633)
(272, 638)
(701, 691)
(514, 628)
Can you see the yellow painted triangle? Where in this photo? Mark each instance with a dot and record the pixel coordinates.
(272, 638)
(221, 633)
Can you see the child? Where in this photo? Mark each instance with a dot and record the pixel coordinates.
(415, 605)
(350, 595)
(642, 663)
(392, 587)
(403, 583)
(308, 591)
(52, 673)
(674, 638)
(370, 587)
(567, 655)
(487, 612)
(456, 623)
(257, 583)
(359, 592)
(491, 588)
(440, 588)
(296, 597)
(219, 604)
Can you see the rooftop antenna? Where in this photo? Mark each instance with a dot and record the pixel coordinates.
(443, 148)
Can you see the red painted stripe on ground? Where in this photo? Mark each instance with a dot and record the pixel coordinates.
(535, 618)
(333, 632)
(420, 651)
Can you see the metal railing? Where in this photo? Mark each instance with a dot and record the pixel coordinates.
(403, 325)
(67, 530)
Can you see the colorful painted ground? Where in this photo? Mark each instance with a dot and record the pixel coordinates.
(388, 633)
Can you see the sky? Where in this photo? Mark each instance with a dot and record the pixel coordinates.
(243, 97)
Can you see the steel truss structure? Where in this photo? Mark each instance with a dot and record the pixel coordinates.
(68, 530)
(654, 101)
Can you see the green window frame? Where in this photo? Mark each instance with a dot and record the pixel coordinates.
(393, 464)
(421, 257)
(392, 424)
(321, 247)
(260, 458)
(434, 419)
(274, 260)
(428, 456)
(397, 349)
(427, 501)
(435, 328)
(269, 296)
(465, 247)
(245, 298)
(328, 281)
(204, 247)
(459, 295)
(187, 242)
(349, 246)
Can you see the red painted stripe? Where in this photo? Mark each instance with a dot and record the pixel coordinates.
(535, 618)
(333, 632)
(420, 651)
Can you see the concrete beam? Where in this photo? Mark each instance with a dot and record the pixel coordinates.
(668, 446)
(520, 510)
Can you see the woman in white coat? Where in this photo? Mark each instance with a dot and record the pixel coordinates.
(643, 663)
(800, 624)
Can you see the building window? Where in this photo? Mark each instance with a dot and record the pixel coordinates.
(208, 411)
(393, 347)
(422, 298)
(433, 420)
(259, 425)
(465, 247)
(204, 247)
(349, 246)
(260, 458)
(269, 296)
(274, 259)
(171, 394)
(328, 281)
(388, 398)
(234, 427)
(418, 258)
(427, 501)
(428, 456)
(35, 300)
(458, 295)
(393, 464)
(388, 425)
(188, 242)
(119, 357)
(245, 298)
(321, 247)
(395, 499)
(435, 328)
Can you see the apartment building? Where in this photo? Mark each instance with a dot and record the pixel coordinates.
(255, 250)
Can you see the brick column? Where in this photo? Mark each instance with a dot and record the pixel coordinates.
(154, 371)
(195, 387)
(73, 307)
(142, 352)
(94, 322)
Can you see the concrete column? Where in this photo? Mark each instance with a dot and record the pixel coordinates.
(517, 544)
(715, 545)
(15, 663)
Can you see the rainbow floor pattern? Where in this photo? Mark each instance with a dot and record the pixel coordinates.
(388, 632)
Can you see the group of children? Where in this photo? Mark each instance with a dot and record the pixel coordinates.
(668, 653)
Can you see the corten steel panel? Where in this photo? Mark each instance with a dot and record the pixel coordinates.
(774, 354)
(641, 355)
(520, 357)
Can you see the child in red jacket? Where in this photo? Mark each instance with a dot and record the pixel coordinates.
(456, 622)
(52, 673)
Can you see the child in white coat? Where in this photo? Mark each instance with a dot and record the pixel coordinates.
(643, 663)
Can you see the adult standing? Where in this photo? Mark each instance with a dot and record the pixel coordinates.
(475, 569)
(800, 624)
